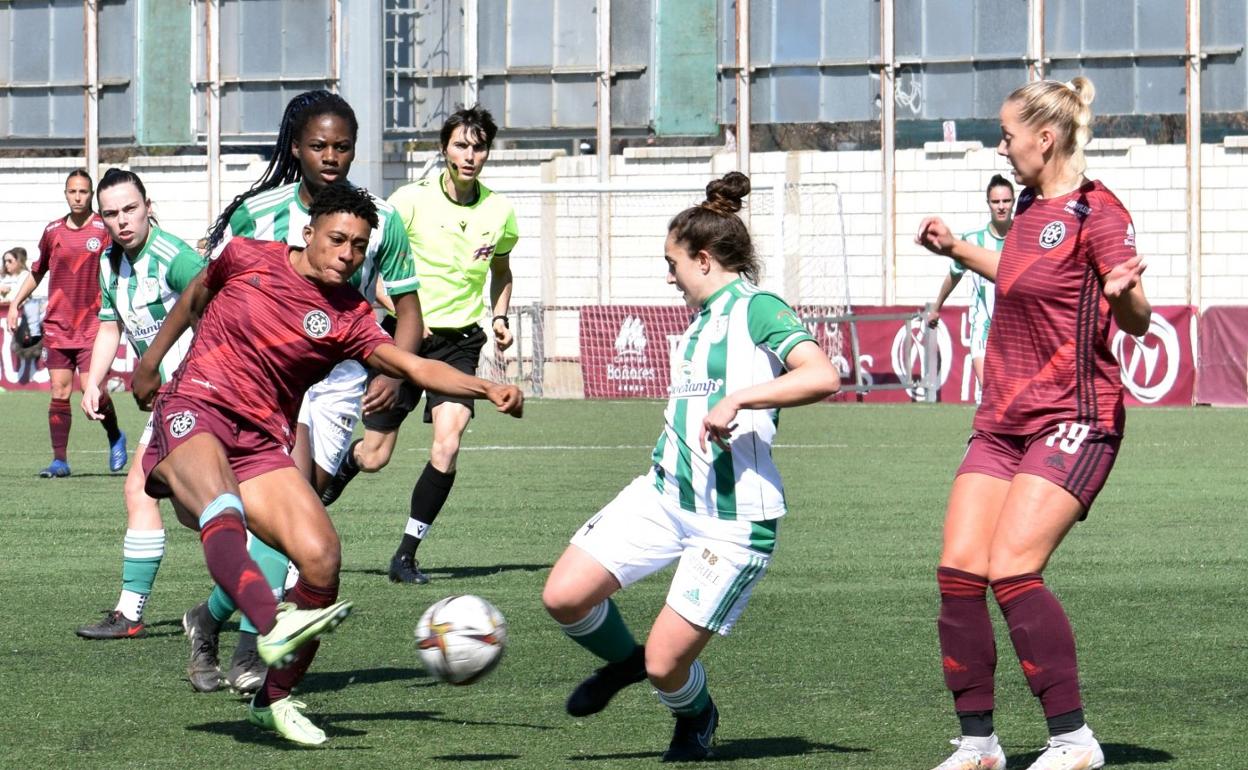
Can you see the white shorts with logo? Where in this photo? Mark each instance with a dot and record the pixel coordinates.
(146, 438)
(642, 531)
(330, 409)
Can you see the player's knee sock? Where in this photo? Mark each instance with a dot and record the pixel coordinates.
(603, 633)
(428, 497)
(141, 553)
(278, 682)
(968, 649)
(60, 417)
(692, 697)
(1043, 639)
(110, 418)
(272, 563)
(224, 538)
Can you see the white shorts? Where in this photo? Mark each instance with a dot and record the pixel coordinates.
(721, 560)
(146, 438)
(330, 410)
(979, 339)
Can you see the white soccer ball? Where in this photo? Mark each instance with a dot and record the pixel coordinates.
(461, 639)
(115, 384)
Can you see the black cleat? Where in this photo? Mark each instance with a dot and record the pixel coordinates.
(405, 569)
(113, 626)
(593, 694)
(247, 670)
(347, 470)
(691, 742)
(204, 669)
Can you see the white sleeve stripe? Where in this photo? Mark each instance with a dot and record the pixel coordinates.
(406, 283)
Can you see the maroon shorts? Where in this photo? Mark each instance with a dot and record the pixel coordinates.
(176, 418)
(67, 358)
(1073, 456)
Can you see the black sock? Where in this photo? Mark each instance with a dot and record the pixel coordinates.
(976, 724)
(349, 464)
(110, 419)
(1066, 723)
(428, 497)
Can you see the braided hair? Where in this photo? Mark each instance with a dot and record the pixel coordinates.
(283, 167)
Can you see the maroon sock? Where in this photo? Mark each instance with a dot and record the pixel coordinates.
(1043, 639)
(278, 682)
(109, 422)
(968, 649)
(59, 418)
(225, 551)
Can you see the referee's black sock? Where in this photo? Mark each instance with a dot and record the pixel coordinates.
(428, 497)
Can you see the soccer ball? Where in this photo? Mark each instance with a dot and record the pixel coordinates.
(461, 639)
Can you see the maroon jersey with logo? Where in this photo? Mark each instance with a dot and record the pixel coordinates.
(1048, 357)
(268, 334)
(73, 258)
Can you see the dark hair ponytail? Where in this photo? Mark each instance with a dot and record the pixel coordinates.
(714, 226)
(283, 168)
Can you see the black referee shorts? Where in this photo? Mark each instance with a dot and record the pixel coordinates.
(461, 348)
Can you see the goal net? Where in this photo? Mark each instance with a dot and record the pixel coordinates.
(592, 313)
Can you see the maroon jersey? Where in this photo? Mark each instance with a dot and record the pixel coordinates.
(1049, 359)
(73, 259)
(268, 334)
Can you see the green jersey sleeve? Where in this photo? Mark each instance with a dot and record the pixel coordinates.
(394, 258)
(774, 324)
(507, 239)
(185, 266)
(108, 305)
(242, 223)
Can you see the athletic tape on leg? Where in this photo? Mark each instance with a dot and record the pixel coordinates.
(222, 503)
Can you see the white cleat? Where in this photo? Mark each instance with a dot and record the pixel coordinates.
(1070, 756)
(968, 757)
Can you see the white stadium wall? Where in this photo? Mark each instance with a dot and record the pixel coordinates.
(557, 260)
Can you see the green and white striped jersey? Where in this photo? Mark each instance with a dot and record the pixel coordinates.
(140, 293)
(740, 338)
(279, 215)
(982, 289)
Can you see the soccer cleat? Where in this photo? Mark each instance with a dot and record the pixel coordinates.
(405, 569)
(204, 669)
(113, 626)
(295, 628)
(246, 669)
(347, 470)
(284, 718)
(117, 454)
(691, 741)
(1070, 756)
(967, 757)
(593, 694)
(58, 469)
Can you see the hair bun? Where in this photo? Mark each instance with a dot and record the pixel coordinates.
(724, 195)
(1084, 89)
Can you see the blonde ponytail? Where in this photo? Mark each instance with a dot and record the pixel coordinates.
(1066, 107)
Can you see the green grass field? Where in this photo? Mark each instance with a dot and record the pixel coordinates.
(834, 664)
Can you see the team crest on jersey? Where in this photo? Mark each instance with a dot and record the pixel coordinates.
(1052, 234)
(716, 330)
(316, 324)
(93, 244)
(181, 423)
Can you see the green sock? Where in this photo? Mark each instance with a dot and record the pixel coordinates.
(603, 633)
(691, 699)
(272, 564)
(142, 551)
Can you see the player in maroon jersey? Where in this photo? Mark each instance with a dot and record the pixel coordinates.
(70, 251)
(1048, 430)
(272, 320)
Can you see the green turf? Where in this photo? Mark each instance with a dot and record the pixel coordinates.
(834, 663)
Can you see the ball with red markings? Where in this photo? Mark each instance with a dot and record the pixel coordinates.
(461, 639)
